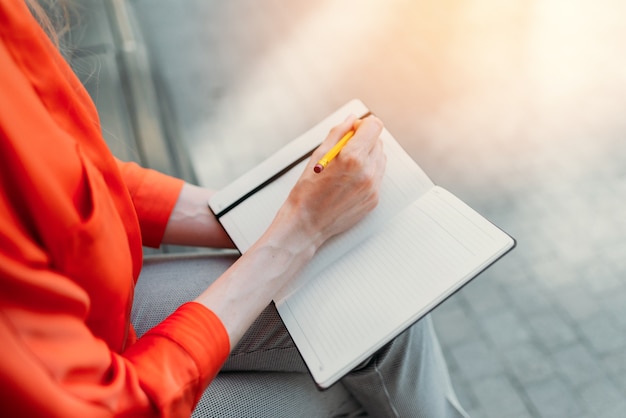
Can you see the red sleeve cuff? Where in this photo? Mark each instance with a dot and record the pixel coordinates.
(154, 195)
(201, 333)
(177, 359)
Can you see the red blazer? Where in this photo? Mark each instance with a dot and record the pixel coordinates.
(72, 224)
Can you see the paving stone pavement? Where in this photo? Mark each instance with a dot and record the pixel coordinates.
(517, 107)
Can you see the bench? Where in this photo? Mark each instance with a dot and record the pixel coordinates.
(108, 54)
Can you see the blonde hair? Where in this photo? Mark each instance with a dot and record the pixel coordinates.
(53, 16)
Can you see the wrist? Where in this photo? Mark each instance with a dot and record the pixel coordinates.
(291, 230)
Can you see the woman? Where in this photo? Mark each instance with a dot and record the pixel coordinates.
(72, 223)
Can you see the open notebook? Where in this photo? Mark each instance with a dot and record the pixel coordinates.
(367, 285)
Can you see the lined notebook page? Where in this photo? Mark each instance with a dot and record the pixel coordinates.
(403, 182)
(355, 306)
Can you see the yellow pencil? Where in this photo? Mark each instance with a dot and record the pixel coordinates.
(330, 155)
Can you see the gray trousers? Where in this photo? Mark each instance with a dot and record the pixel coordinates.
(265, 376)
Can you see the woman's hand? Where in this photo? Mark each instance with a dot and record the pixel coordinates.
(319, 206)
(334, 200)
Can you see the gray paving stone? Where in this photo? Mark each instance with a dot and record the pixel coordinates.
(499, 398)
(475, 359)
(614, 364)
(454, 325)
(551, 330)
(602, 333)
(601, 278)
(601, 396)
(577, 303)
(613, 304)
(552, 399)
(528, 363)
(510, 273)
(505, 329)
(613, 255)
(484, 296)
(620, 381)
(553, 273)
(613, 410)
(530, 298)
(577, 364)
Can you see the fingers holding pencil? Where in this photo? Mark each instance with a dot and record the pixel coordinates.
(366, 137)
(365, 149)
(367, 130)
(334, 200)
(338, 145)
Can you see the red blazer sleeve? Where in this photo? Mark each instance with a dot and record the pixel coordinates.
(154, 195)
(52, 365)
(63, 333)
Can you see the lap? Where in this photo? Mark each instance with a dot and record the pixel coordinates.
(239, 390)
(409, 372)
(166, 282)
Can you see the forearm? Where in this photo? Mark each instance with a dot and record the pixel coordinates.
(192, 222)
(319, 206)
(243, 291)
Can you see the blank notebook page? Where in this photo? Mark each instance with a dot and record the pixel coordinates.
(350, 309)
